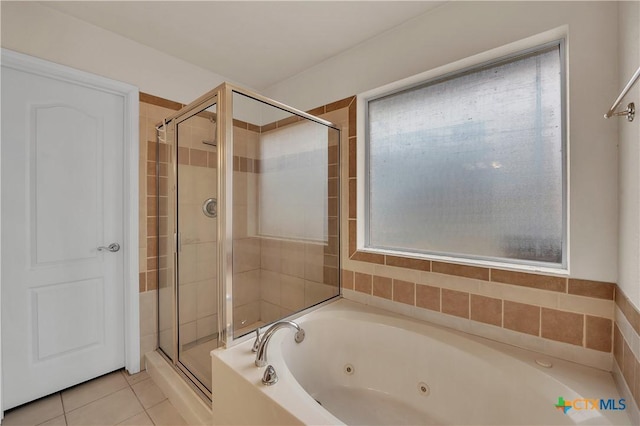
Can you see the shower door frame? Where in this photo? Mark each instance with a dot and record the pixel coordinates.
(222, 96)
(225, 186)
(202, 103)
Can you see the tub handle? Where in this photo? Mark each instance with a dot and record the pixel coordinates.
(256, 342)
(270, 377)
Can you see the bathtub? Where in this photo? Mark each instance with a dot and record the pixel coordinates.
(361, 365)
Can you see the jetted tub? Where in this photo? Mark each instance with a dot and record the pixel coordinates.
(361, 365)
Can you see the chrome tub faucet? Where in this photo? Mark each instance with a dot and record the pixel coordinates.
(261, 353)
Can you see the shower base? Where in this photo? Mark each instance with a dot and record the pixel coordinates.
(197, 360)
(181, 395)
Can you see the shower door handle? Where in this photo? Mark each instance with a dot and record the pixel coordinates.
(113, 247)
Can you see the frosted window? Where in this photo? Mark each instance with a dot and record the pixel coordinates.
(471, 165)
(292, 193)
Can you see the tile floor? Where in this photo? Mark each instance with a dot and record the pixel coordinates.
(113, 399)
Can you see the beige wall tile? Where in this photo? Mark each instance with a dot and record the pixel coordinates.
(314, 262)
(347, 279)
(455, 303)
(404, 292)
(363, 283)
(631, 313)
(240, 222)
(270, 254)
(542, 282)
(562, 326)
(618, 345)
(368, 257)
(598, 333)
(293, 258)
(317, 292)
(404, 274)
(597, 289)
(521, 317)
(183, 156)
(207, 303)
(187, 302)
(148, 313)
(461, 270)
(198, 157)
(428, 297)
(637, 384)
(382, 287)
(250, 285)
(450, 282)
(246, 254)
(292, 293)
(152, 279)
(270, 286)
(188, 263)
(586, 305)
(142, 282)
(628, 365)
(486, 309)
(207, 326)
(269, 312)
(246, 314)
(519, 294)
(406, 262)
(187, 333)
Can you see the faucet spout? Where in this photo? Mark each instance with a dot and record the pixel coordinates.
(261, 354)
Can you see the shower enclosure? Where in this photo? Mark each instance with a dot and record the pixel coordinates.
(247, 224)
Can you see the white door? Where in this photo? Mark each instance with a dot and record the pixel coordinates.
(62, 198)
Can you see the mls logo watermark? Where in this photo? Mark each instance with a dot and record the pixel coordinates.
(581, 404)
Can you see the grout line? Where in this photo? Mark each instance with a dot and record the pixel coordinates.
(64, 412)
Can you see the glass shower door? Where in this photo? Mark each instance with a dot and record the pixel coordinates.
(197, 290)
(188, 298)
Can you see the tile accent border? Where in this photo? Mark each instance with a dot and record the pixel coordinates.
(626, 344)
(471, 299)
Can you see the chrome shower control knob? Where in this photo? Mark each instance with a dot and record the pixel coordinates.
(269, 377)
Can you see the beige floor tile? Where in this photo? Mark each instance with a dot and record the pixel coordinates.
(148, 393)
(58, 421)
(36, 412)
(135, 378)
(141, 419)
(110, 410)
(93, 390)
(165, 414)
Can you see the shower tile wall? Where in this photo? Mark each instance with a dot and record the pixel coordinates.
(626, 344)
(246, 245)
(275, 277)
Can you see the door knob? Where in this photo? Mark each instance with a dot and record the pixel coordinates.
(113, 247)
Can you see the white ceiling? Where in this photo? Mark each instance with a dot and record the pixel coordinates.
(256, 43)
